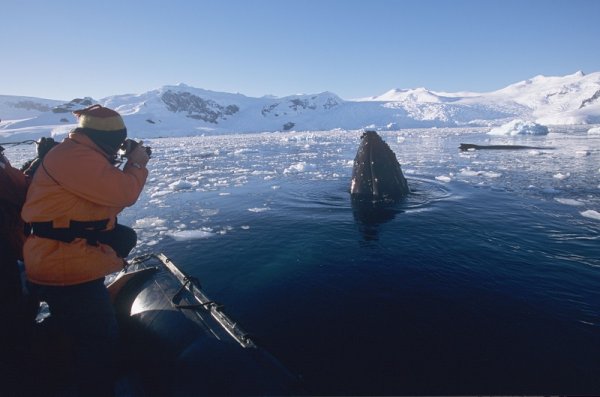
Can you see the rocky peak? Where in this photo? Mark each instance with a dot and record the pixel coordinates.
(196, 107)
(75, 104)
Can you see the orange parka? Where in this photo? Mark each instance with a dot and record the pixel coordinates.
(76, 182)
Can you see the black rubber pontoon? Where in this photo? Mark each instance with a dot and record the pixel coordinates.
(179, 342)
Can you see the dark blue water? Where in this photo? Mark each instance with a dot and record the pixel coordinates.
(483, 281)
(486, 294)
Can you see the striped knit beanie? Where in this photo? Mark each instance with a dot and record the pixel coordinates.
(103, 125)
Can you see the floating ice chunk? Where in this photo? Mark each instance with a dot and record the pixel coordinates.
(591, 214)
(299, 167)
(244, 151)
(560, 176)
(534, 152)
(519, 127)
(225, 230)
(160, 193)
(149, 222)
(183, 235)
(582, 153)
(180, 185)
(257, 172)
(209, 211)
(245, 227)
(490, 174)
(468, 172)
(204, 155)
(258, 209)
(568, 201)
(443, 178)
(594, 131)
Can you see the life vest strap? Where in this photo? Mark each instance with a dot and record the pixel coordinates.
(89, 230)
(122, 238)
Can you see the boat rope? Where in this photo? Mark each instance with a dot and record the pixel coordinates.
(26, 142)
(190, 281)
(139, 259)
(192, 284)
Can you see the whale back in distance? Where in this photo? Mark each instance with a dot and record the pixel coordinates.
(376, 174)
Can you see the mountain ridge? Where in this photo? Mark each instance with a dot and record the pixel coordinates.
(178, 110)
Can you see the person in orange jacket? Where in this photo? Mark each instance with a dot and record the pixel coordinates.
(18, 307)
(12, 196)
(13, 302)
(72, 206)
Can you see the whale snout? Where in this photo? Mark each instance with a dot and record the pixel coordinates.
(377, 174)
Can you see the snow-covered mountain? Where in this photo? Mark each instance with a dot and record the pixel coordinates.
(183, 110)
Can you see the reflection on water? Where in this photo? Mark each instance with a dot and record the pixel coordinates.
(369, 215)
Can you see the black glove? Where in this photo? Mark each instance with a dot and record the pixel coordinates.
(44, 145)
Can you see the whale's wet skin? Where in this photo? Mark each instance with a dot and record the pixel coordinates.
(376, 174)
(483, 280)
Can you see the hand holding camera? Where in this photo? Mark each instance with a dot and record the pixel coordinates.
(136, 152)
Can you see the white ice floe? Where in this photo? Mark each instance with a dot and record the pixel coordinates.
(160, 193)
(594, 131)
(468, 172)
(259, 209)
(560, 176)
(490, 174)
(568, 201)
(520, 127)
(299, 167)
(149, 222)
(591, 214)
(443, 178)
(180, 185)
(487, 174)
(183, 235)
(209, 211)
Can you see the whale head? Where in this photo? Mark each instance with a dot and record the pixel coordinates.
(376, 174)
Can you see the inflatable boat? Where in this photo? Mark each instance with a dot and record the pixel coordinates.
(176, 341)
(180, 342)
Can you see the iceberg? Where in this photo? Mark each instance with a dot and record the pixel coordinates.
(519, 127)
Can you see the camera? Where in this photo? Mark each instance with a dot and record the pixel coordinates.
(129, 145)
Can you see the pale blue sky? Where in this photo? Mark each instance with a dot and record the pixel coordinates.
(63, 49)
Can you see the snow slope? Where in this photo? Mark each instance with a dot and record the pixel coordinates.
(181, 110)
